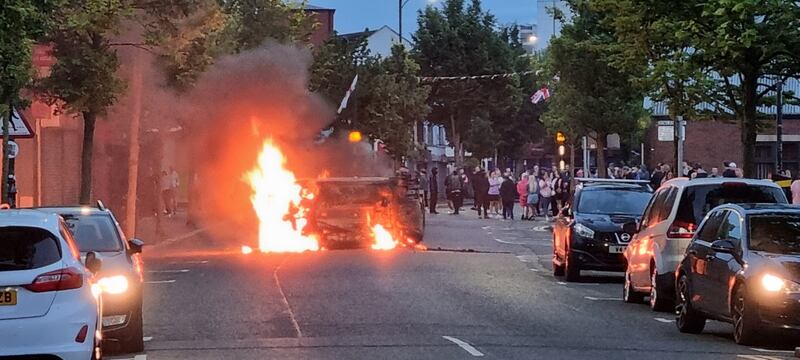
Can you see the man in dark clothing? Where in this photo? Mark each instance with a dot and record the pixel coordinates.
(658, 175)
(509, 196)
(455, 191)
(481, 186)
(730, 170)
(433, 193)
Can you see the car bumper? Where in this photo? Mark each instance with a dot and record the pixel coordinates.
(599, 260)
(52, 334)
(782, 311)
(118, 310)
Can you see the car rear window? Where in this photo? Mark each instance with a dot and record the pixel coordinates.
(94, 232)
(26, 248)
(613, 201)
(697, 201)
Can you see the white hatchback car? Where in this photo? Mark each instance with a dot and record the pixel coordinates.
(47, 306)
(667, 226)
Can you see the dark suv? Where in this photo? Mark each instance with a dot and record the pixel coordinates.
(743, 267)
(95, 229)
(590, 235)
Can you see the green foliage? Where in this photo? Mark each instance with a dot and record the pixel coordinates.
(713, 52)
(592, 95)
(250, 22)
(388, 97)
(455, 40)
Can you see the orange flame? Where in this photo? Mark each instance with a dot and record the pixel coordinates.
(277, 202)
(383, 239)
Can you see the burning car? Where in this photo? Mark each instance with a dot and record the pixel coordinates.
(362, 211)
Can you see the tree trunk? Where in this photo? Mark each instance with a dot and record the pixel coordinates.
(6, 162)
(457, 146)
(749, 121)
(89, 119)
(601, 155)
(133, 147)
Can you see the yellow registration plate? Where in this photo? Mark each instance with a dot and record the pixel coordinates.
(8, 297)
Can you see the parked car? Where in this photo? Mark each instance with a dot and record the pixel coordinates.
(667, 227)
(47, 306)
(589, 235)
(743, 267)
(96, 230)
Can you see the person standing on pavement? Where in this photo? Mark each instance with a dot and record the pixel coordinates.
(522, 190)
(166, 192)
(657, 176)
(433, 186)
(455, 191)
(480, 185)
(795, 189)
(533, 196)
(494, 192)
(174, 182)
(422, 179)
(730, 170)
(545, 193)
(509, 196)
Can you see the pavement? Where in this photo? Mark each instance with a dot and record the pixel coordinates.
(483, 288)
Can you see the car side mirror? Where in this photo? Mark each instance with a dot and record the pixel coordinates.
(136, 246)
(92, 262)
(631, 227)
(723, 246)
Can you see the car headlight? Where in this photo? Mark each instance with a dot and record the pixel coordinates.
(772, 283)
(113, 284)
(583, 231)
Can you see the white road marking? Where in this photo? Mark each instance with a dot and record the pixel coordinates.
(535, 270)
(140, 357)
(286, 301)
(160, 282)
(602, 298)
(527, 258)
(485, 227)
(664, 320)
(168, 271)
(190, 262)
(578, 284)
(147, 338)
(773, 351)
(758, 357)
(546, 228)
(464, 345)
(508, 242)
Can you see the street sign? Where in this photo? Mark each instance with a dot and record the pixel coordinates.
(665, 123)
(18, 127)
(666, 133)
(13, 150)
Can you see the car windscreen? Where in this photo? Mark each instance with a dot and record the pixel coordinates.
(342, 194)
(697, 201)
(775, 233)
(94, 232)
(25, 248)
(613, 201)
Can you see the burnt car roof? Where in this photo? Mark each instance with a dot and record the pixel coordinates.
(353, 180)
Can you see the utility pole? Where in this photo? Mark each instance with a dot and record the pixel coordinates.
(6, 148)
(680, 136)
(133, 146)
(585, 145)
(779, 129)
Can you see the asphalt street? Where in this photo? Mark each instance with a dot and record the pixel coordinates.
(483, 289)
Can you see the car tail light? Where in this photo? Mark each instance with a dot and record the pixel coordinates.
(81, 337)
(681, 229)
(63, 279)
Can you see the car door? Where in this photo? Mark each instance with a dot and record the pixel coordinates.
(639, 252)
(722, 267)
(699, 253)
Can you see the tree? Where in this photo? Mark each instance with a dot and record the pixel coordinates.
(459, 40)
(591, 95)
(387, 100)
(727, 49)
(23, 21)
(85, 80)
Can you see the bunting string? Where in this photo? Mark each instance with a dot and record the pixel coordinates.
(431, 79)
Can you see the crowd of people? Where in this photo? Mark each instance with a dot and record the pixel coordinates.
(539, 192)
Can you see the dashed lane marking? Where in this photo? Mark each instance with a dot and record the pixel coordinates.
(577, 284)
(602, 298)
(168, 271)
(464, 345)
(664, 320)
(773, 351)
(160, 282)
(758, 357)
(147, 338)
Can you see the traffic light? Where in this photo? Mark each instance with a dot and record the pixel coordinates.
(561, 150)
(354, 136)
(560, 138)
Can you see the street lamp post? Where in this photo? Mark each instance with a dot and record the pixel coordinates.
(401, 4)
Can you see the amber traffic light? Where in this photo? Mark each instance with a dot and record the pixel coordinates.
(560, 138)
(354, 136)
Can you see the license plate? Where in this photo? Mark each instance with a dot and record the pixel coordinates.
(8, 297)
(616, 249)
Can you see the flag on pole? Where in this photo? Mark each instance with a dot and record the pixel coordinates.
(352, 88)
(540, 95)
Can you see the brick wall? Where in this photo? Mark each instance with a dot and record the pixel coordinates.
(324, 29)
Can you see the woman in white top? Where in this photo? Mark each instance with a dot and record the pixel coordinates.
(546, 192)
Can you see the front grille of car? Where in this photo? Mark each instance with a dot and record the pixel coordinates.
(615, 238)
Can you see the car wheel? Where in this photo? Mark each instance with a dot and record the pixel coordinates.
(572, 270)
(745, 321)
(688, 319)
(133, 340)
(629, 295)
(657, 303)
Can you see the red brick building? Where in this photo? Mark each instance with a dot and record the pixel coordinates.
(324, 19)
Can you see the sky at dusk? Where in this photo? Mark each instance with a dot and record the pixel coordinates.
(356, 15)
